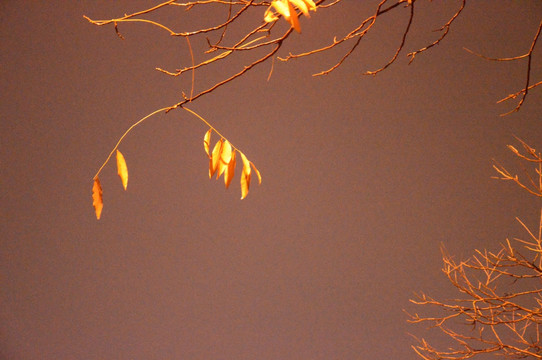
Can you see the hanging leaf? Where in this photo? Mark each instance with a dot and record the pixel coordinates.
(287, 10)
(207, 142)
(215, 157)
(282, 8)
(304, 6)
(301, 5)
(257, 173)
(122, 169)
(245, 176)
(245, 184)
(97, 199)
(225, 157)
(228, 173)
(310, 4)
(293, 18)
(246, 163)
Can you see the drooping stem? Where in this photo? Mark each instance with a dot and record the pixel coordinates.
(124, 135)
(209, 125)
(166, 109)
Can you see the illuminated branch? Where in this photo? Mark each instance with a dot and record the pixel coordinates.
(502, 322)
(529, 56)
(445, 28)
(533, 183)
(392, 60)
(358, 33)
(263, 37)
(236, 12)
(500, 294)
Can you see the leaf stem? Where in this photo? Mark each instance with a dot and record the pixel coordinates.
(166, 109)
(126, 133)
(209, 125)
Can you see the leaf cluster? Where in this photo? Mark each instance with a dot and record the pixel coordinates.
(222, 161)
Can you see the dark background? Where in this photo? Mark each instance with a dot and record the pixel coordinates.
(364, 178)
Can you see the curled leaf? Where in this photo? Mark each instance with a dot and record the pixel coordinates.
(207, 142)
(122, 169)
(215, 157)
(97, 199)
(228, 173)
(257, 173)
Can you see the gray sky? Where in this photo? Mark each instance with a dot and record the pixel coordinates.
(363, 179)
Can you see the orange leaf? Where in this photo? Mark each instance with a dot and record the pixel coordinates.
(225, 158)
(282, 8)
(97, 199)
(257, 173)
(122, 169)
(245, 176)
(269, 15)
(245, 184)
(246, 163)
(301, 5)
(207, 141)
(304, 6)
(310, 4)
(228, 173)
(293, 18)
(215, 157)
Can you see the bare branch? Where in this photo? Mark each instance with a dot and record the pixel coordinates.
(445, 28)
(532, 186)
(392, 60)
(529, 57)
(500, 295)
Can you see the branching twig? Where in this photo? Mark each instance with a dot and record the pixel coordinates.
(508, 319)
(529, 56)
(445, 28)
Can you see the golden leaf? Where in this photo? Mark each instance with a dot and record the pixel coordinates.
(286, 9)
(215, 157)
(269, 15)
(225, 157)
(228, 173)
(246, 163)
(257, 173)
(245, 184)
(245, 176)
(97, 199)
(310, 4)
(282, 8)
(122, 169)
(207, 141)
(301, 5)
